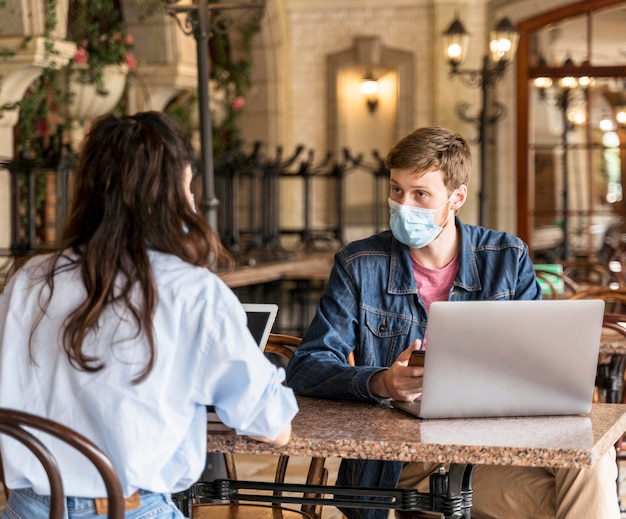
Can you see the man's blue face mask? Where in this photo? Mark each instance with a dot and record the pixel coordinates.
(415, 226)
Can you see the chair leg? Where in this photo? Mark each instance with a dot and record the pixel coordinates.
(317, 475)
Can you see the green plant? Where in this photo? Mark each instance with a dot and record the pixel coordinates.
(99, 32)
(41, 98)
(230, 82)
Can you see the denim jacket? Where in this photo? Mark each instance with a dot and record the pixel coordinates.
(371, 306)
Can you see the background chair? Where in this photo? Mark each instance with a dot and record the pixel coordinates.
(13, 423)
(592, 274)
(614, 300)
(610, 373)
(559, 285)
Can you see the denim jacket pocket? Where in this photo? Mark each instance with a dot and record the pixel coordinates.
(385, 325)
(388, 335)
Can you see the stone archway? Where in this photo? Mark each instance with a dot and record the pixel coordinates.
(24, 19)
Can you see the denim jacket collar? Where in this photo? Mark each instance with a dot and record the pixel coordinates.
(402, 281)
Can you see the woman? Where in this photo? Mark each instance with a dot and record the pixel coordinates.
(124, 336)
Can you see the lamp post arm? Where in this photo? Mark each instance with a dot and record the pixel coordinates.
(484, 121)
(208, 202)
(564, 105)
(198, 22)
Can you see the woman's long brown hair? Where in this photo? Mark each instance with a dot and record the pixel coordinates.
(128, 197)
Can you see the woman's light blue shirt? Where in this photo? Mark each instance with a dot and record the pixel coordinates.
(155, 431)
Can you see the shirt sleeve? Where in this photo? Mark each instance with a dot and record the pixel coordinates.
(235, 376)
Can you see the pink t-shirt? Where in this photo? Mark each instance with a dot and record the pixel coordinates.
(434, 284)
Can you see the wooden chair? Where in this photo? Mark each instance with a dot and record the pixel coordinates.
(591, 274)
(13, 423)
(560, 285)
(610, 373)
(614, 300)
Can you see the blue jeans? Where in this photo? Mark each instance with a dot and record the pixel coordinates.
(26, 504)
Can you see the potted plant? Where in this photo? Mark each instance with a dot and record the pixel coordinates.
(98, 73)
(94, 81)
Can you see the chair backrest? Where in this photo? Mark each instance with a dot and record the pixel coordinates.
(559, 285)
(591, 274)
(14, 424)
(615, 300)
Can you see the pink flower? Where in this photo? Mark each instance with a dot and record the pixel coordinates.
(81, 56)
(41, 128)
(131, 62)
(129, 39)
(117, 36)
(238, 103)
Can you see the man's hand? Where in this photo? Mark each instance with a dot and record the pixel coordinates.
(400, 381)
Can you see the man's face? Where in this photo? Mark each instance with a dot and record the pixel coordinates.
(426, 191)
(409, 188)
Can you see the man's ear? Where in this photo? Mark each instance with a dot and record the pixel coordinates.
(459, 198)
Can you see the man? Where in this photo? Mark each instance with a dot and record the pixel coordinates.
(376, 306)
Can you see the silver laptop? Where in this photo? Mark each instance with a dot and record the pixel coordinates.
(261, 319)
(509, 358)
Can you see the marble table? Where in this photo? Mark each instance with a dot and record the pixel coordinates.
(357, 430)
(344, 429)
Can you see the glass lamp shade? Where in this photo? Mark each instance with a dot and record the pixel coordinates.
(543, 82)
(568, 82)
(369, 88)
(607, 124)
(503, 41)
(455, 43)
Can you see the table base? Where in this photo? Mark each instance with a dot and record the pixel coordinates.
(450, 494)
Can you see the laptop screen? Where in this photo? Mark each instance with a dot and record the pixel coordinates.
(261, 319)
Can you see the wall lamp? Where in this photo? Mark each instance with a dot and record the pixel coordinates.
(502, 48)
(569, 93)
(369, 88)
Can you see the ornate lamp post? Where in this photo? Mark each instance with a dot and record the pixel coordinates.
(199, 22)
(502, 49)
(565, 99)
